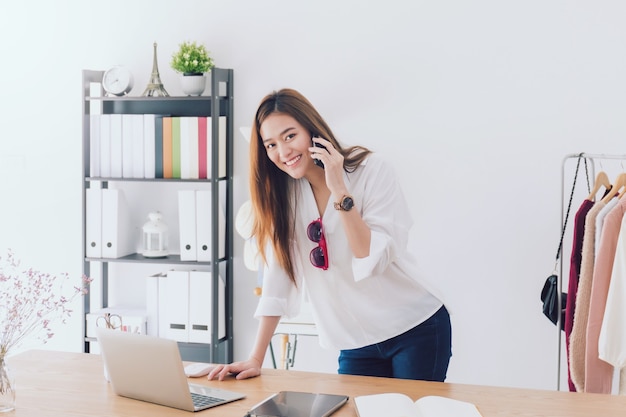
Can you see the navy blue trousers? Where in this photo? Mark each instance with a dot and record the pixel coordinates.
(422, 353)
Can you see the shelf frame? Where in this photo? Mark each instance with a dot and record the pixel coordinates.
(222, 99)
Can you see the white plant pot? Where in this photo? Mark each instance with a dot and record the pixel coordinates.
(193, 85)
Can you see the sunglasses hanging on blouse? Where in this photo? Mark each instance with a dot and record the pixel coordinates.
(319, 254)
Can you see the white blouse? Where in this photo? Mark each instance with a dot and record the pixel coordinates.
(612, 339)
(355, 302)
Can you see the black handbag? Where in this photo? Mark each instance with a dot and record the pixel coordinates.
(549, 297)
(553, 307)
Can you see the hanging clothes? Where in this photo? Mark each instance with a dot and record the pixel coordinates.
(612, 338)
(574, 273)
(578, 337)
(598, 373)
(595, 316)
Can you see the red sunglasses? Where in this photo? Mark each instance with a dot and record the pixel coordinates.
(319, 255)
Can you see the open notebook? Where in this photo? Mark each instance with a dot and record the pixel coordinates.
(400, 405)
(150, 369)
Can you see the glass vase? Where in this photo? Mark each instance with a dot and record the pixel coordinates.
(7, 387)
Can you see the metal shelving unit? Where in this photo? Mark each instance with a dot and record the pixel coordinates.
(218, 103)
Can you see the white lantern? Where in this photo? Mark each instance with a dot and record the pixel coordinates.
(155, 236)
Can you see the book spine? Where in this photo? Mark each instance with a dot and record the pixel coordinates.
(185, 147)
(167, 147)
(127, 145)
(175, 147)
(149, 146)
(94, 145)
(138, 148)
(193, 147)
(158, 146)
(202, 148)
(116, 145)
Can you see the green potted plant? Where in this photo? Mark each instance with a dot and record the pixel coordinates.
(192, 61)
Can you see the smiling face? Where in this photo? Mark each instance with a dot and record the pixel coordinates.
(287, 144)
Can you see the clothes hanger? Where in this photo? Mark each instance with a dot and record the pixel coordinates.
(602, 180)
(619, 183)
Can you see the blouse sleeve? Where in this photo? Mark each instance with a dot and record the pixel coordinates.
(386, 213)
(279, 296)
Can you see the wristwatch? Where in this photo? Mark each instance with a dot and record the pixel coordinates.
(346, 203)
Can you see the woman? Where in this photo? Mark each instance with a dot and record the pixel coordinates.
(332, 221)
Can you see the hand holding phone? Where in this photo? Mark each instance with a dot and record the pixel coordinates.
(315, 160)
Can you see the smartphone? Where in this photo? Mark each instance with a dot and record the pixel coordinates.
(317, 161)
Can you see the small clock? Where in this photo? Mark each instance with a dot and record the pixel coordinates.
(117, 81)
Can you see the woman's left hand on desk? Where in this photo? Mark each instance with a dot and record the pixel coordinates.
(241, 370)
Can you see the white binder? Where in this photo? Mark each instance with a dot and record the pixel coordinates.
(105, 145)
(127, 145)
(200, 307)
(184, 147)
(149, 148)
(117, 230)
(138, 147)
(187, 224)
(152, 303)
(189, 147)
(116, 145)
(177, 305)
(203, 226)
(162, 305)
(93, 226)
(94, 145)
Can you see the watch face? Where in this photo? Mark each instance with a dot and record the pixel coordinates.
(117, 80)
(347, 203)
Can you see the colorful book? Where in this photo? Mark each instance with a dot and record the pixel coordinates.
(158, 146)
(175, 147)
(167, 147)
(202, 147)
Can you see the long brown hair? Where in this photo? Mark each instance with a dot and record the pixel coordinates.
(270, 188)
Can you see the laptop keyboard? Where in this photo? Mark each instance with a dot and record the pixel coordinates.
(200, 400)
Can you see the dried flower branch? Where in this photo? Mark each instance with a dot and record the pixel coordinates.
(30, 300)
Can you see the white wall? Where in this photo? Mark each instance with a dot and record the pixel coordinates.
(475, 102)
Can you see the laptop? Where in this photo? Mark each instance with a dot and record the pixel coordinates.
(149, 368)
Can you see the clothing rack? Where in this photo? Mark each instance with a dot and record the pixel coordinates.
(590, 159)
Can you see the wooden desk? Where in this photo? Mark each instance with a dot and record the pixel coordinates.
(51, 384)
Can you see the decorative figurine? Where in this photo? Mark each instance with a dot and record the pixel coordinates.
(155, 86)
